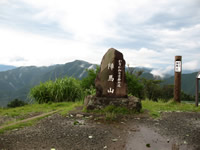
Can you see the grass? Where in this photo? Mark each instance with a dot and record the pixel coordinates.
(64, 107)
(111, 112)
(20, 125)
(22, 112)
(155, 108)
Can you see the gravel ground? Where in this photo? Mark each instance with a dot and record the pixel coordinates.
(63, 133)
(81, 132)
(182, 125)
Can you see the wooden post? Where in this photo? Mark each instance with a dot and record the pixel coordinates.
(177, 78)
(197, 92)
(197, 89)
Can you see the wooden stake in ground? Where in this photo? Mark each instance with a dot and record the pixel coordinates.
(177, 78)
(197, 89)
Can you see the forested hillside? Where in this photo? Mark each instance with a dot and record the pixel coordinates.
(16, 83)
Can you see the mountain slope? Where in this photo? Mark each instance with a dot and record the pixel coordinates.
(16, 83)
(188, 82)
(6, 67)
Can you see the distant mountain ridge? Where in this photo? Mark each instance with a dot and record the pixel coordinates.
(188, 82)
(17, 82)
(6, 67)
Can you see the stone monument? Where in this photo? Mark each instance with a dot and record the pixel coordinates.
(110, 83)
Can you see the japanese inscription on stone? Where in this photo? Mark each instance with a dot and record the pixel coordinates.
(119, 73)
(110, 78)
(110, 81)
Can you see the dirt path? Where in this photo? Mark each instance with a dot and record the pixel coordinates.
(29, 119)
(177, 131)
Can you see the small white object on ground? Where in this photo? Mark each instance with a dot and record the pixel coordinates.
(90, 137)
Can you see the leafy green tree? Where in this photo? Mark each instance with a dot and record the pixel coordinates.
(134, 84)
(167, 92)
(88, 83)
(16, 103)
(152, 89)
(187, 97)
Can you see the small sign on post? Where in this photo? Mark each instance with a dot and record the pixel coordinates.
(177, 66)
(177, 78)
(197, 89)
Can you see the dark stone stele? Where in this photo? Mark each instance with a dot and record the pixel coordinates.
(110, 83)
(110, 66)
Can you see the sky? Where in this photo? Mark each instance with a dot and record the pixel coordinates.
(149, 33)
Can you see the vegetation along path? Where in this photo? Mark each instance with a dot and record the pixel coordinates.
(28, 119)
(177, 130)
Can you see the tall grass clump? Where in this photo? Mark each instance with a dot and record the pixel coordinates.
(60, 90)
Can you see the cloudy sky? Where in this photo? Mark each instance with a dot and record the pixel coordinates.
(148, 32)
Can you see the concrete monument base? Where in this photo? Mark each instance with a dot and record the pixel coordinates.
(92, 102)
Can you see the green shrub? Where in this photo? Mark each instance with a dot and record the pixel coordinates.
(152, 89)
(89, 81)
(66, 89)
(116, 110)
(16, 103)
(135, 86)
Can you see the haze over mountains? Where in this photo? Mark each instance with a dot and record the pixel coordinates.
(16, 82)
(6, 67)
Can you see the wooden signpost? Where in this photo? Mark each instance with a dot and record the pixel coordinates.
(197, 89)
(177, 78)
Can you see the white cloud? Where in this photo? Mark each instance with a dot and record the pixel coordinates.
(155, 31)
(87, 20)
(4, 2)
(38, 50)
(162, 71)
(191, 65)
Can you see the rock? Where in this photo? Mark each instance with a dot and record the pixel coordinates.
(187, 135)
(111, 81)
(79, 115)
(168, 140)
(90, 137)
(114, 140)
(105, 147)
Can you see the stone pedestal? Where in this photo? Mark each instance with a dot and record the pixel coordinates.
(92, 102)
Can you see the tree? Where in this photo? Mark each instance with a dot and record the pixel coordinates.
(16, 103)
(88, 83)
(152, 89)
(187, 97)
(134, 83)
(167, 92)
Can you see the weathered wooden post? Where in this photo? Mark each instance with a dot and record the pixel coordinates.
(197, 89)
(177, 78)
